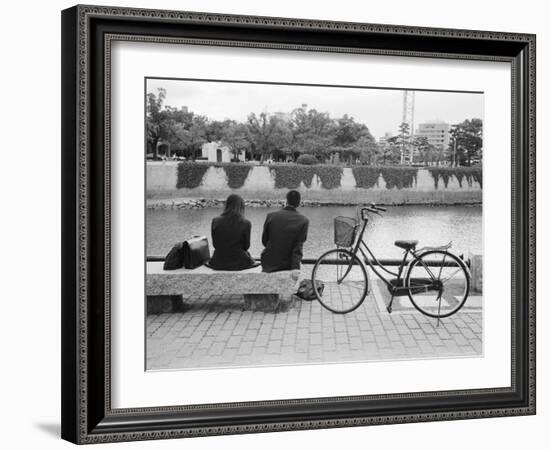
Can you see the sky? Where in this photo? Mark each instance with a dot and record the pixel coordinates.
(380, 109)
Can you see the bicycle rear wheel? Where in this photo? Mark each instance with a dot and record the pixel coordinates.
(344, 278)
(438, 282)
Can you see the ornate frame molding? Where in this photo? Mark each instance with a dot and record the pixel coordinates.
(77, 424)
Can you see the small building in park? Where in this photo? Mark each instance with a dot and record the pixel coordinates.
(217, 152)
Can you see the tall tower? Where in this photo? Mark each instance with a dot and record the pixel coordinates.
(408, 118)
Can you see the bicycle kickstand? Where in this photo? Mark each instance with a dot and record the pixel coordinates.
(389, 307)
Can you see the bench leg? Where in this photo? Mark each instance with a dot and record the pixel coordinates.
(287, 302)
(261, 302)
(268, 302)
(158, 304)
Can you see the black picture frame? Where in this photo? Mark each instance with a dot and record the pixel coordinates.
(87, 415)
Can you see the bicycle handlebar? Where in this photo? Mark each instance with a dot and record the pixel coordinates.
(379, 208)
(371, 210)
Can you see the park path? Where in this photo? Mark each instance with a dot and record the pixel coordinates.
(214, 331)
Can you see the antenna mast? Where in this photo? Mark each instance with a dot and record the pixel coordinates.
(408, 118)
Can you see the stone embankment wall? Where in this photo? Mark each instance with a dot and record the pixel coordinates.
(260, 184)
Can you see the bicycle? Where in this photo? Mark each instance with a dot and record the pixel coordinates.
(436, 281)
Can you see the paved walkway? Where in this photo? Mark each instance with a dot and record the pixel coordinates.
(216, 332)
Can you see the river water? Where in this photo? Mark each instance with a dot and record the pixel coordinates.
(430, 225)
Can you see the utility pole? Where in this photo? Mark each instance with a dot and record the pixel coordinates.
(408, 118)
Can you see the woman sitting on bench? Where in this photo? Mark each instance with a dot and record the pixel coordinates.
(231, 237)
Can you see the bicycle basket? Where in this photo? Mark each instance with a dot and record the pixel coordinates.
(344, 231)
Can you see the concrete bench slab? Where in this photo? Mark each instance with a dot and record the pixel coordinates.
(262, 291)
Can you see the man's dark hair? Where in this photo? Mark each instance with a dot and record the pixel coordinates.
(293, 199)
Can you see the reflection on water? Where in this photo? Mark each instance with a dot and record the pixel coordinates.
(429, 225)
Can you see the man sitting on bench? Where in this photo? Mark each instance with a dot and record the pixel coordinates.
(284, 234)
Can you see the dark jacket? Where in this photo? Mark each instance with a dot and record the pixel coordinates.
(285, 232)
(231, 241)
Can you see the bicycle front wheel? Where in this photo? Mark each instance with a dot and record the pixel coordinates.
(340, 281)
(438, 283)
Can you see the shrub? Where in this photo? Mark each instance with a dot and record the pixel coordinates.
(445, 174)
(471, 175)
(190, 174)
(307, 160)
(290, 176)
(477, 174)
(236, 174)
(366, 177)
(331, 176)
(399, 177)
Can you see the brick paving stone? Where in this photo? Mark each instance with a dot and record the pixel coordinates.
(315, 353)
(477, 346)
(460, 339)
(409, 341)
(233, 342)
(329, 345)
(425, 346)
(442, 333)
(245, 348)
(277, 333)
(354, 331)
(368, 337)
(393, 336)
(383, 342)
(289, 339)
(341, 338)
(315, 339)
(467, 333)
(355, 343)
(475, 327)
(216, 349)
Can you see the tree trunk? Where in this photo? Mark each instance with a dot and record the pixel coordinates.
(156, 149)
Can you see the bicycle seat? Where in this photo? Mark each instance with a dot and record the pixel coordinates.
(406, 245)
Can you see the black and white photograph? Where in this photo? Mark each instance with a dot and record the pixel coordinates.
(296, 224)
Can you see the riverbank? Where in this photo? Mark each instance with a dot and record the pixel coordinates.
(202, 203)
(319, 185)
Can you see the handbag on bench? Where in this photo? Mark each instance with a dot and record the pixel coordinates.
(190, 254)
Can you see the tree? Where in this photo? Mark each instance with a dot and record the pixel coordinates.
(189, 137)
(311, 133)
(215, 129)
(392, 150)
(424, 148)
(466, 141)
(404, 140)
(236, 137)
(157, 120)
(267, 134)
(369, 150)
(353, 140)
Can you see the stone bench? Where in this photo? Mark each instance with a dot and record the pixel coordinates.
(166, 289)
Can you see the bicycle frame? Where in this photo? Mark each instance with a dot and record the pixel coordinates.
(362, 248)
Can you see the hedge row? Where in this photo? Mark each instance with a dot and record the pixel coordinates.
(471, 174)
(291, 176)
(365, 176)
(190, 175)
(399, 177)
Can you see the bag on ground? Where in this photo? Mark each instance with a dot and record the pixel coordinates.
(306, 292)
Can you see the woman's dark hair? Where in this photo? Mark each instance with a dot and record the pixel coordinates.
(234, 206)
